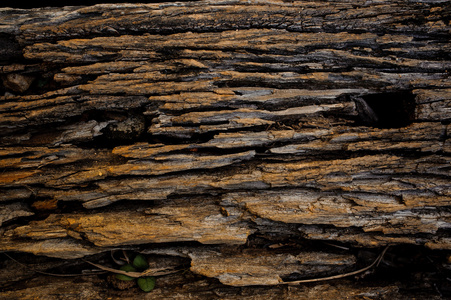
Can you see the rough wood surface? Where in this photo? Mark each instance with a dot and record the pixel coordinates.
(223, 126)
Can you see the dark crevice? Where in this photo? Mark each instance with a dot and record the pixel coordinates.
(336, 81)
(69, 207)
(122, 206)
(10, 50)
(216, 107)
(386, 110)
(319, 154)
(58, 3)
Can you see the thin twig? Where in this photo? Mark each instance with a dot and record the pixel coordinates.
(375, 263)
(117, 261)
(336, 246)
(148, 272)
(126, 256)
(51, 274)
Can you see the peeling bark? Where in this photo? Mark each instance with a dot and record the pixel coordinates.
(228, 129)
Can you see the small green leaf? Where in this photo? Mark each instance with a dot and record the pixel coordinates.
(126, 268)
(146, 283)
(140, 262)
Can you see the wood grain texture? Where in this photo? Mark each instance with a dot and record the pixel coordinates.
(211, 123)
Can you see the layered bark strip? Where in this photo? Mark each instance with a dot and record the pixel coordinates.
(213, 122)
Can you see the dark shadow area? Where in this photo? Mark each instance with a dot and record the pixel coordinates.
(386, 110)
(417, 272)
(56, 3)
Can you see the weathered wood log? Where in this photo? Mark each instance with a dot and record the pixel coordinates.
(236, 139)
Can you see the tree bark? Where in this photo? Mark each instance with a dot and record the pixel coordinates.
(243, 140)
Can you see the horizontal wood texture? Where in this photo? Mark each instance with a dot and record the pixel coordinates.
(216, 122)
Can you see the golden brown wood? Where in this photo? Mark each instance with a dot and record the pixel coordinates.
(213, 124)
